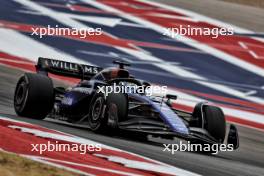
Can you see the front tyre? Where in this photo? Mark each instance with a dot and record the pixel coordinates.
(34, 96)
(215, 122)
(212, 119)
(117, 108)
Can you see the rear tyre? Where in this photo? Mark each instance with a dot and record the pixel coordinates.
(34, 96)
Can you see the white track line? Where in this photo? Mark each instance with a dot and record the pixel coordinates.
(175, 69)
(191, 101)
(164, 168)
(17, 44)
(111, 171)
(213, 51)
(201, 17)
(139, 54)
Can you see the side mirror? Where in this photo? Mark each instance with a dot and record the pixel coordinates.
(121, 63)
(171, 97)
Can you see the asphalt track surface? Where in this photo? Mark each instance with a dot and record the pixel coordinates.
(247, 160)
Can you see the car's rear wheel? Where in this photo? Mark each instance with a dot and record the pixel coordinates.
(34, 96)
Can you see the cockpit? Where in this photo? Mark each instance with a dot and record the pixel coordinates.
(112, 73)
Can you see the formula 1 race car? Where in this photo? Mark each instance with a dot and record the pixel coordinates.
(36, 97)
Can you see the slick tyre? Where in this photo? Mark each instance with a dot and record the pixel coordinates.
(34, 96)
(117, 108)
(212, 119)
(215, 122)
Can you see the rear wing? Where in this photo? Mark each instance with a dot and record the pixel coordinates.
(63, 68)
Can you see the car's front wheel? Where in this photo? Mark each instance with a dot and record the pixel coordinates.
(105, 113)
(212, 119)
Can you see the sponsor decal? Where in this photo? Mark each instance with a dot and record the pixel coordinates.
(82, 90)
(67, 101)
(71, 66)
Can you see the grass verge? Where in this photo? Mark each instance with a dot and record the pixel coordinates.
(14, 165)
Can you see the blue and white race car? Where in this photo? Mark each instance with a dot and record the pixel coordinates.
(132, 110)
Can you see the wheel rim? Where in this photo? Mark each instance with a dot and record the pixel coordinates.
(97, 109)
(21, 94)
